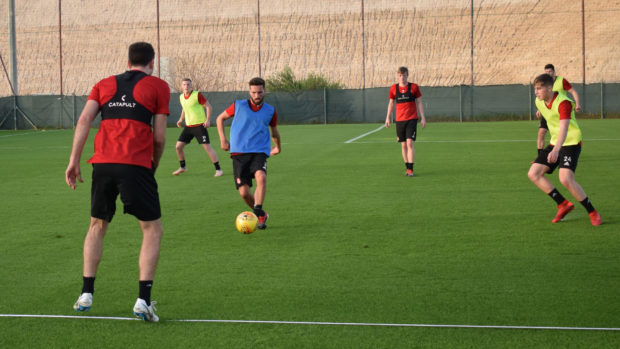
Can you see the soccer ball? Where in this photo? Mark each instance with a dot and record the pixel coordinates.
(246, 222)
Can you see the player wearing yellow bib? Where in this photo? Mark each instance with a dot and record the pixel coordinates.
(197, 115)
(563, 151)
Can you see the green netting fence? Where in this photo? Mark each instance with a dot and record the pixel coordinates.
(458, 103)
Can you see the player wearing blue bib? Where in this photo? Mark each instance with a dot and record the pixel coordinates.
(250, 145)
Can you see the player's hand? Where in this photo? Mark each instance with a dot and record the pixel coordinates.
(578, 107)
(423, 122)
(275, 151)
(224, 144)
(179, 123)
(206, 124)
(73, 172)
(553, 156)
(387, 123)
(538, 114)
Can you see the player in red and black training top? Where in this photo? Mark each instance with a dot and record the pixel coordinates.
(408, 101)
(561, 85)
(128, 147)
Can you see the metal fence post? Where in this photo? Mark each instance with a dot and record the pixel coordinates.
(529, 93)
(461, 103)
(325, 105)
(602, 101)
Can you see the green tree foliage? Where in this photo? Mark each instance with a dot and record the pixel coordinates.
(286, 81)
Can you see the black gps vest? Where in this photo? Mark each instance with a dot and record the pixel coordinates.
(123, 105)
(404, 97)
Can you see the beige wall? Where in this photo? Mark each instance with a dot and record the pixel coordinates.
(216, 42)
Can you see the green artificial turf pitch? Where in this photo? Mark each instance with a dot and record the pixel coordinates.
(350, 239)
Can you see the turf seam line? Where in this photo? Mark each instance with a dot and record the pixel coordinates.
(364, 135)
(275, 322)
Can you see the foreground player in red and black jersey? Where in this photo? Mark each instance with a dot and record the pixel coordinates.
(408, 101)
(127, 152)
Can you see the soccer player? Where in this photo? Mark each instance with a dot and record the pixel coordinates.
(562, 86)
(563, 151)
(408, 102)
(127, 152)
(250, 145)
(197, 115)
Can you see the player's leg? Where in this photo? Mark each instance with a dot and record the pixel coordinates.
(93, 249)
(568, 158)
(404, 151)
(567, 178)
(140, 198)
(258, 167)
(246, 195)
(536, 174)
(410, 155)
(93, 246)
(180, 148)
(411, 134)
(104, 192)
(259, 198)
(214, 159)
(152, 232)
(202, 136)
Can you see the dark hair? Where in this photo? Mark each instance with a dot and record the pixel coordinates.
(544, 79)
(403, 70)
(141, 54)
(550, 66)
(257, 82)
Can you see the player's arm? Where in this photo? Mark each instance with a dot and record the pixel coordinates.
(159, 137)
(389, 112)
(275, 137)
(208, 111)
(420, 108)
(79, 139)
(542, 132)
(573, 92)
(540, 141)
(181, 118)
(224, 144)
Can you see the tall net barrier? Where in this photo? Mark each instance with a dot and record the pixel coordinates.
(471, 47)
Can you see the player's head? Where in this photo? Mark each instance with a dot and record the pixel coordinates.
(543, 86)
(403, 74)
(257, 90)
(141, 54)
(550, 69)
(186, 85)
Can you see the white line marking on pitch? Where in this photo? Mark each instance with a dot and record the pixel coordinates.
(557, 328)
(364, 135)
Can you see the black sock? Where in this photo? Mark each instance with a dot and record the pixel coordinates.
(409, 165)
(217, 165)
(182, 162)
(555, 195)
(588, 205)
(145, 291)
(258, 210)
(88, 284)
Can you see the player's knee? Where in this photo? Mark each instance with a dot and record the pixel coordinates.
(533, 174)
(97, 226)
(180, 146)
(567, 180)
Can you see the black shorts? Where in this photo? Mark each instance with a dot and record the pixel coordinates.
(406, 129)
(137, 187)
(567, 158)
(198, 132)
(245, 165)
